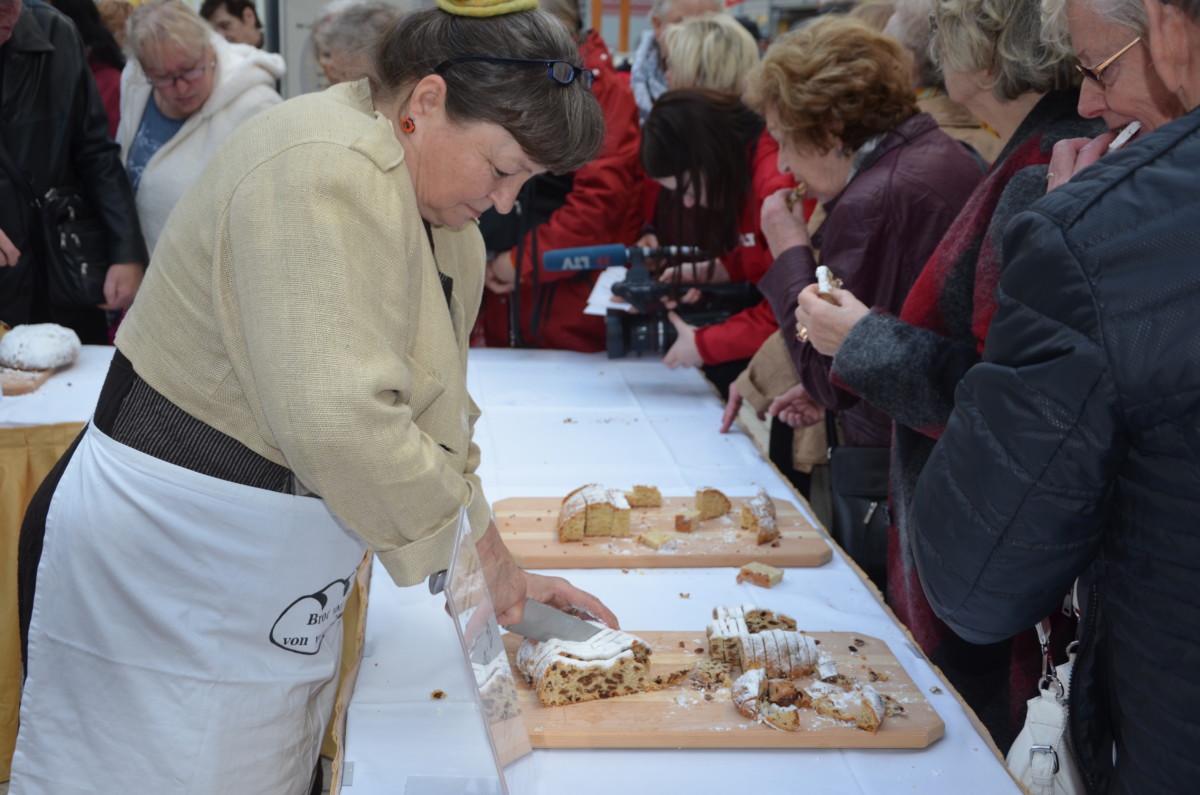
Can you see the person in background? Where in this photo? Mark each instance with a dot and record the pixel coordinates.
(526, 305)
(647, 74)
(709, 51)
(114, 14)
(754, 30)
(837, 98)
(711, 152)
(346, 34)
(236, 20)
(184, 91)
(1070, 455)
(56, 132)
(713, 53)
(304, 333)
(910, 25)
(104, 55)
(769, 381)
(908, 364)
(872, 13)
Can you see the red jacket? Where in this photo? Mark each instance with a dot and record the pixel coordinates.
(603, 206)
(740, 336)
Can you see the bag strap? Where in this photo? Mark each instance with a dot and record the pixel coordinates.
(1048, 670)
(831, 432)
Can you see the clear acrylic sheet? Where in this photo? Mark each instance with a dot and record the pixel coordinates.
(495, 692)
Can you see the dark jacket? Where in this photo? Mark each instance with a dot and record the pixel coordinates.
(55, 129)
(878, 233)
(1075, 444)
(909, 366)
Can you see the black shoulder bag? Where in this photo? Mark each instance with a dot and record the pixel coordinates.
(73, 238)
(858, 480)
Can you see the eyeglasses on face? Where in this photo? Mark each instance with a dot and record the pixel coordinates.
(561, 72)
(190, 76)
(1095, 73)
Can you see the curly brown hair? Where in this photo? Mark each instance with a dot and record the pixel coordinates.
(834, 77)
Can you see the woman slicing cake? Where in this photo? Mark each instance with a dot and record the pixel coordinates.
(289, 392)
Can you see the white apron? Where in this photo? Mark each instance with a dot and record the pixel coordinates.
(186, 633)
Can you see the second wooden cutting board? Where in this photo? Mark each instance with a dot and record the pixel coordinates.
(529, 526)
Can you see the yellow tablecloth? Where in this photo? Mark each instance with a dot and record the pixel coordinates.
(27, 454)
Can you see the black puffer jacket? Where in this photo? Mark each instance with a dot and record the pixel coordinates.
(54, 127)
(1076, 445)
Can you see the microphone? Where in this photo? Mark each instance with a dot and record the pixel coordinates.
(590, 258)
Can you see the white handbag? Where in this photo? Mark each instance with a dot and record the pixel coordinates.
(1040, 757)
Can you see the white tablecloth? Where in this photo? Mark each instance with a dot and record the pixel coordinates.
(553, 421)
(67, 396)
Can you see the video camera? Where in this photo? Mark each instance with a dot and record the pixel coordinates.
(649, 330)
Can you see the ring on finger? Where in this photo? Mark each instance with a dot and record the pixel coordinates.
(802, 333)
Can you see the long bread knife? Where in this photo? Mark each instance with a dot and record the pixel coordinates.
(542, 622)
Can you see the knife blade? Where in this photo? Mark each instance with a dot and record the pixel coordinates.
(542, 622)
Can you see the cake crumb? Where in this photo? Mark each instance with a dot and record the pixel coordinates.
(685, 596)
(437, 695)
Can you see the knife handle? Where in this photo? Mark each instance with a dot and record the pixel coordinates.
(437, 581)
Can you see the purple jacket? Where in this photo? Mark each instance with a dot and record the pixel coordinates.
(877, 235)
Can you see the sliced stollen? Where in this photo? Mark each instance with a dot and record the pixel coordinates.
(610, 663)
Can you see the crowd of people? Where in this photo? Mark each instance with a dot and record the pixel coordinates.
(1010, 332)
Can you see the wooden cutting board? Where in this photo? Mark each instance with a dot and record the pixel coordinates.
(22, 382)
(680, 717)
(529, 526)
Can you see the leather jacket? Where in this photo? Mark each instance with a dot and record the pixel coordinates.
(55, 130)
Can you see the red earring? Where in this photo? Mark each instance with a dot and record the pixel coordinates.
(407, 125)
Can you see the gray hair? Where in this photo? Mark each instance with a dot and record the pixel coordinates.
(1126, 13)
(910, 26)
(560, 127)
(566, 11)
(155, 23)
(353, 27)
(711, 51)
(1004, 36)
(660, 7)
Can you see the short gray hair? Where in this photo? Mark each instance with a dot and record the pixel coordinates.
(1126, 13)
(1004, 36)
(710, 51)
(157, 22)
(560, 127)
(910, 23)
(353, 27)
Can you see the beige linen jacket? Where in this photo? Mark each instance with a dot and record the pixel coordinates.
(294, 304)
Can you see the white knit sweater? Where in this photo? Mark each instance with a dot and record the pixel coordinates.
(244, 86)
